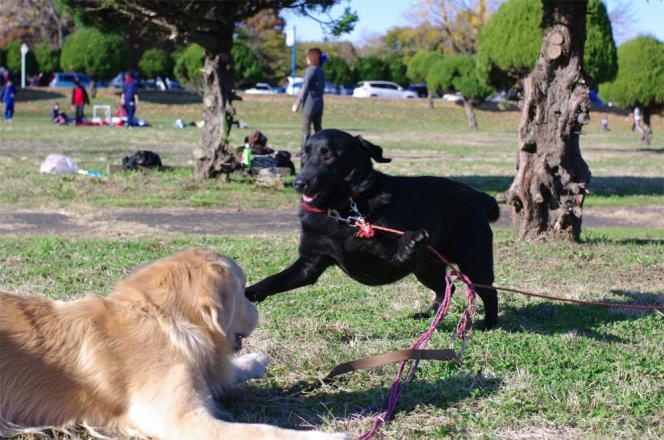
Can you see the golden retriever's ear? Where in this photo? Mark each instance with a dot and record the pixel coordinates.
(219, 305)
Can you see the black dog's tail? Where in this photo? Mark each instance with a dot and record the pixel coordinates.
(491, 207)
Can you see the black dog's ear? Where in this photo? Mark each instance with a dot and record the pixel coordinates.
(374, 151)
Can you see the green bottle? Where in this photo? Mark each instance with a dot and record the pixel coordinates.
(246, 156)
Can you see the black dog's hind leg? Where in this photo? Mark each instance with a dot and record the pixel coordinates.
(433, 277)
(480, 271)
(303, 272)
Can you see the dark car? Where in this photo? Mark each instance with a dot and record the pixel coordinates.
(420, 89)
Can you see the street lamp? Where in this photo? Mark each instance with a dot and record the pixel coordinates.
(24, 51)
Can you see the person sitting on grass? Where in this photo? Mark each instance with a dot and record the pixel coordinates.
(58, 116)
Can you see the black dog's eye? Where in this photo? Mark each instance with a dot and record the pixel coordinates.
(327, 155)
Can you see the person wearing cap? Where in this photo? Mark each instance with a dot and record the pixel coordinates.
(129, 98)
(310, 98)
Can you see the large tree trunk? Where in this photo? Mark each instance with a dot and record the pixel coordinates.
(646, 131)
(549, 188)
(215, 158)
(469, 108)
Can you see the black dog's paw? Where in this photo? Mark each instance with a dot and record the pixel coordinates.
(254, 295)
(423, 314)
(489, 324)
(410, 243)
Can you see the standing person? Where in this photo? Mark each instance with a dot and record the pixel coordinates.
(129, 98)
(8, 99)
(310, 98)
(637, 119)
(79, 98)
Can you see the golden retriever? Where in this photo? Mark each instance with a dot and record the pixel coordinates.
(147, 360)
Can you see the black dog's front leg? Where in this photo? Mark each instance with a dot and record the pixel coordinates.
(408, 246)
(304, 271)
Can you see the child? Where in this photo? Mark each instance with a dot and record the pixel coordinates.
(8, 99)
(57, 116)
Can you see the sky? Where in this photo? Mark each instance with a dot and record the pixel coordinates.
(377, 16)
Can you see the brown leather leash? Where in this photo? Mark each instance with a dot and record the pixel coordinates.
(393, 356)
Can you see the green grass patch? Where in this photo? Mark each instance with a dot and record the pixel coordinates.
(550, 370)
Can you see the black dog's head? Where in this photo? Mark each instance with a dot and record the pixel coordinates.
(335, 165)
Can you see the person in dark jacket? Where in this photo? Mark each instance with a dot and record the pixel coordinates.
(79, 98)
(8, 96)
(129, 99)
(310, 98)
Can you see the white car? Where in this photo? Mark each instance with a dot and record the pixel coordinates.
(453, 97)
(260, 89)
(382, 89)
(294, 85)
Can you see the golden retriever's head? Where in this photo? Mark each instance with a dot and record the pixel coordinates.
(198, 287)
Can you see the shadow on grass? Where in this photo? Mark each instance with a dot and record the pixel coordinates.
(39, 95)
(548, 318)
(292, 408)
(170, 98)
(652, 150)
(603, 186)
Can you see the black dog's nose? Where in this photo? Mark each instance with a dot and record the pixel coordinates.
(300, 185)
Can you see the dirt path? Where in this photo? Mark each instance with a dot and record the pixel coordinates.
(128, 222)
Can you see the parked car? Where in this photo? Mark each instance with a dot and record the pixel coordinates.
(453, 97)
(294, 85)
(173, 84)
(260, 89)
(382, 89)
(420, 89)
(330, 89)
(66, 80)
(118, 81)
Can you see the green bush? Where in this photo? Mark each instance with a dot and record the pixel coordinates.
(48, 60)
(509, 44)
(337, 71)
(372, 68)
(248, 67)
(95, 53)
(420, 63)
(14, 60)
(155, 62)
(640, 79)
(188, 66)
(458, 73)
(398, 70)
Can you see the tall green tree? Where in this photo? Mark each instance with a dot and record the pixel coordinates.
(510, 42)
(155, 62)
(48, 59)
(372, 68)
(212, 25)
(99, 54)
(420, 63)
(247, 64)
(458, 73)
(640, 80)
(337, 71)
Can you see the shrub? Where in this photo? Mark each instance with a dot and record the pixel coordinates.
(337, 71)
(155, 62)
(248, 67)
(372, 68)
(48, 60)
(420, 63)
(95, 53)
(13, 55)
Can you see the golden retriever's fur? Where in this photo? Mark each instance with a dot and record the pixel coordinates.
(147, 360)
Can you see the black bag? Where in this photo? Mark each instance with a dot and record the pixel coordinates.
(283, 160)
(143, 159)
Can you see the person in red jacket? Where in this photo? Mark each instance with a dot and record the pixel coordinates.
(79, 98)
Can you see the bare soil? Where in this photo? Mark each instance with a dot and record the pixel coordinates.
(129, 222)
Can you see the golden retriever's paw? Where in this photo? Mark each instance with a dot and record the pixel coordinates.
(250, 366)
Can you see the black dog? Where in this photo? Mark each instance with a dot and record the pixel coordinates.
(452, 217)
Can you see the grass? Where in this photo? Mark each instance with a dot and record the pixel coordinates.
(421, 141)
(550, 370)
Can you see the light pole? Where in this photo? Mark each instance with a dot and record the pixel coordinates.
(24, 52)
(290, 41)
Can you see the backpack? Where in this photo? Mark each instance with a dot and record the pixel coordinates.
(143, 159)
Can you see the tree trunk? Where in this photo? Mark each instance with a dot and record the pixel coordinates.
(469, 108)
(549, 188)
(430, 98)
(646, 131)
(215, 158)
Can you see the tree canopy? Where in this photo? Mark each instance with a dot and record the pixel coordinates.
(155, 62)
(13, 56)
(640, 79)
(337, 71)
(48, 60)
(372, 68)
(510, 42)
(99, 54)
(457, 72)
(420, 63)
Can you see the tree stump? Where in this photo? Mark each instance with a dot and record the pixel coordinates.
(551, 182)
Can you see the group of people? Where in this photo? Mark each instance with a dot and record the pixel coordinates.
(80, 98)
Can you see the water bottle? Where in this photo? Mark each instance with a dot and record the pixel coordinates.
(246, 156)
